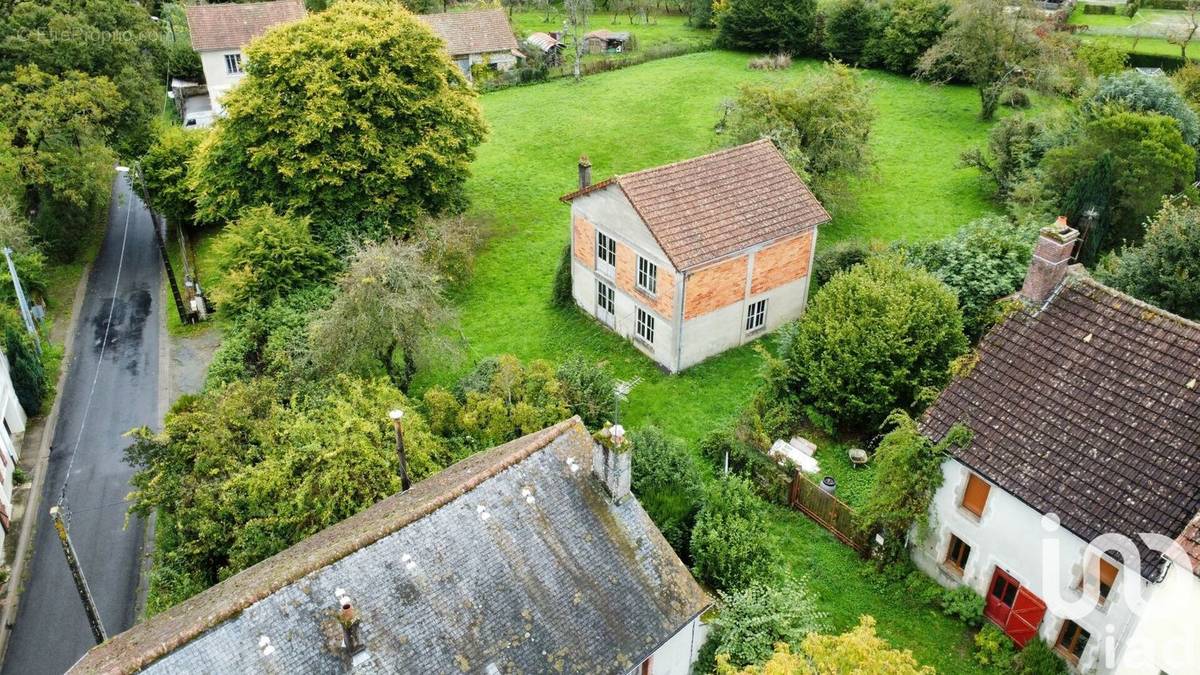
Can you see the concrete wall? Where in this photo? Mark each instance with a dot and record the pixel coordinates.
(1050, 564)
(725, 328)
(10, 436)
(502, 60)
(1167, 638)
(217, 78)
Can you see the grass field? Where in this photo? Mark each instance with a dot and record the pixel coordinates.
(661, 30)
(649, 115)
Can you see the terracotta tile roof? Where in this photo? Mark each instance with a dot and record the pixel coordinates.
(475, 32)
(232, 26)
(1189, 540)
(1089, 409)
(441, 588)
(706, 208)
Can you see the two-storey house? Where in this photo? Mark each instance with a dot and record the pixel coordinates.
(693, 258)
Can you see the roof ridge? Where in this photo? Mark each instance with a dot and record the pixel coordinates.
(689, 160)
(1079, 274)
(179, 625)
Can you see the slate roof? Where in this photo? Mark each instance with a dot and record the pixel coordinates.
(233, 26)
(476, 32)
(703, 209)
(1089, 409)
(514, 557)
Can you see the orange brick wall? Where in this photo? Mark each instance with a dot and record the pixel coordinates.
(711, 288)
(661, 302)
(780, 263)
(585, 241)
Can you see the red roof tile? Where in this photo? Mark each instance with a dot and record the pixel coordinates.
(706, 208)
(232, 26)
(477, 32)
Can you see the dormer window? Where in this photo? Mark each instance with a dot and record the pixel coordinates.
(976, 495)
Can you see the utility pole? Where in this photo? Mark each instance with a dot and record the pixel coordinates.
(29, 326)
(185, 317)
(81, 585)
(396, 416)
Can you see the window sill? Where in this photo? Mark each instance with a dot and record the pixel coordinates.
(757, 331)
(648, 294)
(969, 514)
(641, 342)
(953, 570)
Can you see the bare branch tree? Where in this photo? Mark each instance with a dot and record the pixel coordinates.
(575, 25)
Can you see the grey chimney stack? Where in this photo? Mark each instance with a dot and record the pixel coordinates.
(1051, 257)
(611, 462)
(585, 172)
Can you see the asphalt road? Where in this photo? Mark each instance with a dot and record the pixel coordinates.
(111, 387)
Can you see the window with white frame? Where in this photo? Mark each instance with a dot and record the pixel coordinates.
(756, 315)
(606, 248)
(645, 326)
(233, 63)
(647, 276)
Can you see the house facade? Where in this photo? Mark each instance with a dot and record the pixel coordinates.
(220, 33)
(518, 559)
(476, 37)
(13, 418)
(694, 258)
(1071, 508)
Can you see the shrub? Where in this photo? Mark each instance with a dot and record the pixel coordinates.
(1143, 93)
(924, 590)
(787, 26)
(860, 651)
(964, 604)
(982, 262)
(589, 390)
(668, 483)
(561, 294)
(731, 545)
(837, 258)
(1016, 144)
(1016, 98)
(873, 339)
(913, 27)
(849, 25)
(28, 375)
(1165, 269)
(993, 648)
(772, 62)
(1038, 659)
(1102, 58)
(753, 620)
(264, 256)
(1187, 83)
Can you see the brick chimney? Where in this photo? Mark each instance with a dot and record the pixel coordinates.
(347, 616)
(585, 172)
(1051, 256)
(611, 462)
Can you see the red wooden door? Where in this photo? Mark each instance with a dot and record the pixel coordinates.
(1026, 616)
(1000, 598)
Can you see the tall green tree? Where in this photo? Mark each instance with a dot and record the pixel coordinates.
(165, 167)
(1150, 160)
(996, 48)
(354, 116)
(912, 28)
(822, 126)
(1165, 269)
(786, 26)
(849, 26)
(110, 39)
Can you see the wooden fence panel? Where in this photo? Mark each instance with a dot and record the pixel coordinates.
(828, 511)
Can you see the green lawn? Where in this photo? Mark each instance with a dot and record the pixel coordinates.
(652, 114)
(848, 588)
(1153, 46)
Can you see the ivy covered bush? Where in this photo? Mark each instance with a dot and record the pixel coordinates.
(754, 619)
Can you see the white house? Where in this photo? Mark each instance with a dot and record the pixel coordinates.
(220, 33)
(516, 560)
(13, 418)
(693, 258)
(1084, 413)
(476, 37)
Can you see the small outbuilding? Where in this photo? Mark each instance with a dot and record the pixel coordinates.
(476, 37)
(605, 41)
